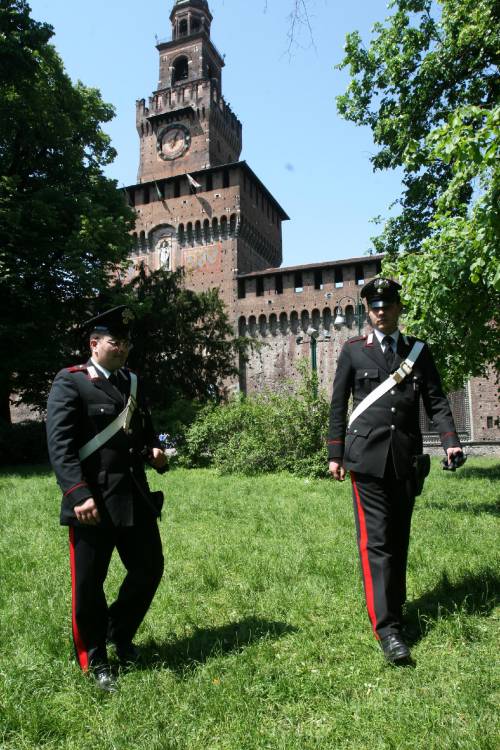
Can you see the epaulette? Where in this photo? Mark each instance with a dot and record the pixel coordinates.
(77, 368)
(356, 338)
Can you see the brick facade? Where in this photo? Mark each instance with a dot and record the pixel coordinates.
(224, 227)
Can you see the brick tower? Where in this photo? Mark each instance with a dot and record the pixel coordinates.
(197, 205)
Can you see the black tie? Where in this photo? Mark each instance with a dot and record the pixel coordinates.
(388, 341)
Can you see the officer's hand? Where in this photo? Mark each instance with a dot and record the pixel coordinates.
(158, 459)
(450, 452)
(337, 471)
(87, 513)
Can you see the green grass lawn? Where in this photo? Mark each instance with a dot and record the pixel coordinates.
(258, 637)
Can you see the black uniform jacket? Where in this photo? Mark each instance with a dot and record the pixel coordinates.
(79, 407)
(393, 420)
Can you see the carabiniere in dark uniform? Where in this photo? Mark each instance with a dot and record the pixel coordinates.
(83, 401)
(380, 449)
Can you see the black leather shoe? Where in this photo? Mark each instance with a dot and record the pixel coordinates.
(103, 678)
(395, 649)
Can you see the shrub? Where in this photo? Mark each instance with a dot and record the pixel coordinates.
(23, 443)
(282, 431)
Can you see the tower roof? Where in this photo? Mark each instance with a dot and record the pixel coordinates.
(199, 3)
(181, 5)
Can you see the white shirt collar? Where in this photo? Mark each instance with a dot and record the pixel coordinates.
(380, 336)
(102, 369)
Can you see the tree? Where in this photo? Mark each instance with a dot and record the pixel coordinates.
(64, 227)
(184, 344)
(428, 88)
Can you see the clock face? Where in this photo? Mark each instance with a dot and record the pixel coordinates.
(173, 141)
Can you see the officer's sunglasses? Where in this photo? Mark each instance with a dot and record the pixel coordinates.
(119, 343)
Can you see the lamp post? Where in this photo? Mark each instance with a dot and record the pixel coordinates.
(313, 334)
(359, 312)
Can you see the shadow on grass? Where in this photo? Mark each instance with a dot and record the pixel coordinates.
(479, 472)
(475, 509)
(187, 654)
(25, 470)
(473, 594)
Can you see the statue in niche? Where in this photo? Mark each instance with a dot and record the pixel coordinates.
(164, 249)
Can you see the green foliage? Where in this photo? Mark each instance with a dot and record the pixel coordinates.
(283, 431)
(63, 224)
(184, 344)
(428, 87)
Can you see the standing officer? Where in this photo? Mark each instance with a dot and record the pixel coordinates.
(99, 431)
(378, 446)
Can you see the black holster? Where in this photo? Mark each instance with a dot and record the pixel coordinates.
(420, 469)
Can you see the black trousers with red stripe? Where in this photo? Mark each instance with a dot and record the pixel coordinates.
(383, 509)
(91, 548)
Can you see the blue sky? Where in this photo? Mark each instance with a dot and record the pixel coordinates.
(316, 165)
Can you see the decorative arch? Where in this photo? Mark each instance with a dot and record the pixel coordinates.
(283, 323)
(181, 235)
(206, 231)
(252, 326)
(327, 318)
(197, 233)
(273, 324)
(262, 325)
(215, 228)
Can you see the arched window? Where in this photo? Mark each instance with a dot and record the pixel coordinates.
(232, 225)
(283, 323)
(189, 232)
(180, 70)
(195, 25)
(223, 227)
(304, 320)
(327, 319)
(294, 321)
(262, 325)
(242, 326)
(181, 235)
(183, 27)
(349, 316)
(142, 242)
(215, 229)
(252, 325)
(197, 232)
(206, 231)
(316, 319)
(273, 324)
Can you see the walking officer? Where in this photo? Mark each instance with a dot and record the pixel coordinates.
(380, 445)
(99, 433)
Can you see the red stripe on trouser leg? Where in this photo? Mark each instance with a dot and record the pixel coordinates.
(81, 651)
(365, 563)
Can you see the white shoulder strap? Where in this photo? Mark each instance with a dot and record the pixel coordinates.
(397, 377)
(122, 421)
